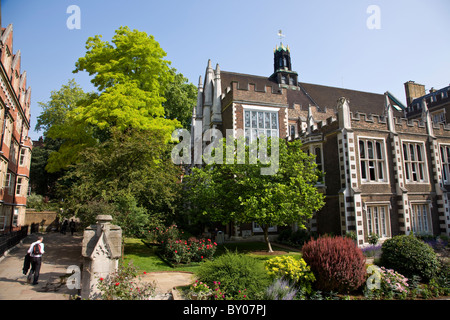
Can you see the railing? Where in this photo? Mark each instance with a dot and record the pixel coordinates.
(9, 240)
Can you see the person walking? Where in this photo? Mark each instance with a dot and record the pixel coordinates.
(72, 226)
(36, 251)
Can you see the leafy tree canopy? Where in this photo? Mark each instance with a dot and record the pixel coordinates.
(240, 193)
(136, 90)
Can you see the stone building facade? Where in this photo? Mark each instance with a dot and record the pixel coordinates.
(15, 144)
(386, 165)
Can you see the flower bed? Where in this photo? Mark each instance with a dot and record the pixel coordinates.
(177, 251)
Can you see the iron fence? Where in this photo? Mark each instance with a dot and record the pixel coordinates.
(9, 240)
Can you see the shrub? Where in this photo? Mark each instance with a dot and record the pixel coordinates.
(280, 289)
(124, 285)
(337, 263)
(178, 250)
(235, 272)
(199, 291)
(409, 256)
(387, 283)
(291, 269)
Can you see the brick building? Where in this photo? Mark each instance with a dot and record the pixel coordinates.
(387, 166)
(15, 145)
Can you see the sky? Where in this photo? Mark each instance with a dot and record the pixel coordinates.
(367, 45)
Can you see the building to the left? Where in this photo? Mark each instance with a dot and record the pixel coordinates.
(15, 144)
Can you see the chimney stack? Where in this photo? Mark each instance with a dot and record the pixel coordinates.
(413, 90)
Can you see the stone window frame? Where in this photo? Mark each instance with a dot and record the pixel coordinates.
(408, 162)
(418, 224)
(377, 161)
(373, 225)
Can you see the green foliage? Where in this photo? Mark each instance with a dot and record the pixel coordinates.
(181, 98)
(130, 177)
(240, 193)
(54, 112)
(235, 272)
(132, 79)
(386, 284)
(295, 239)
(409, 256)
(125, 284)
(373, 238)
(294, 270)
(280, 289)
(131, 76)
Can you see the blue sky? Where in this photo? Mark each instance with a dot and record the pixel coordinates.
(329, 40)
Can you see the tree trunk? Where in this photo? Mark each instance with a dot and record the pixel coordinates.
(266, 238)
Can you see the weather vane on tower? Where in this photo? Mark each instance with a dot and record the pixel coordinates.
(281, 36)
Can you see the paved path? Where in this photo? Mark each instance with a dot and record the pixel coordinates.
(61, 251)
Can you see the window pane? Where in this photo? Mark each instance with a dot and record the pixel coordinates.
(411, 152)
(372, 170)
(370, 149)
(380, 171)
(254, 123)
(247, 119)
(260, 120)
(425, 219)
(421, 176)
(292, 130)
(267, 120)
(376, 220)
(383, 222)
(405, 152)
(363, 170)
(419, 153)
(414, 171)
(378, 147)
(362, 152)
(318, 154)
(274, 121)
(369, 219)
(275, 133)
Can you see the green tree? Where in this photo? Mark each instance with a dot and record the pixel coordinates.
(54, 113)
(240, 193)
(181, 98)
(131, 76)
(130, 177)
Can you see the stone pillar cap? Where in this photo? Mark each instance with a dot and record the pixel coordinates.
(104, 218)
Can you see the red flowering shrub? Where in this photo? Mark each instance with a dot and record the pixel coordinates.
(337, 263)
(178, 250)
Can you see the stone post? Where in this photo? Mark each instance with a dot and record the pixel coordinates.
(101, 250)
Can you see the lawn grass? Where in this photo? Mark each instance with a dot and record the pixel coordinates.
(146, 259)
